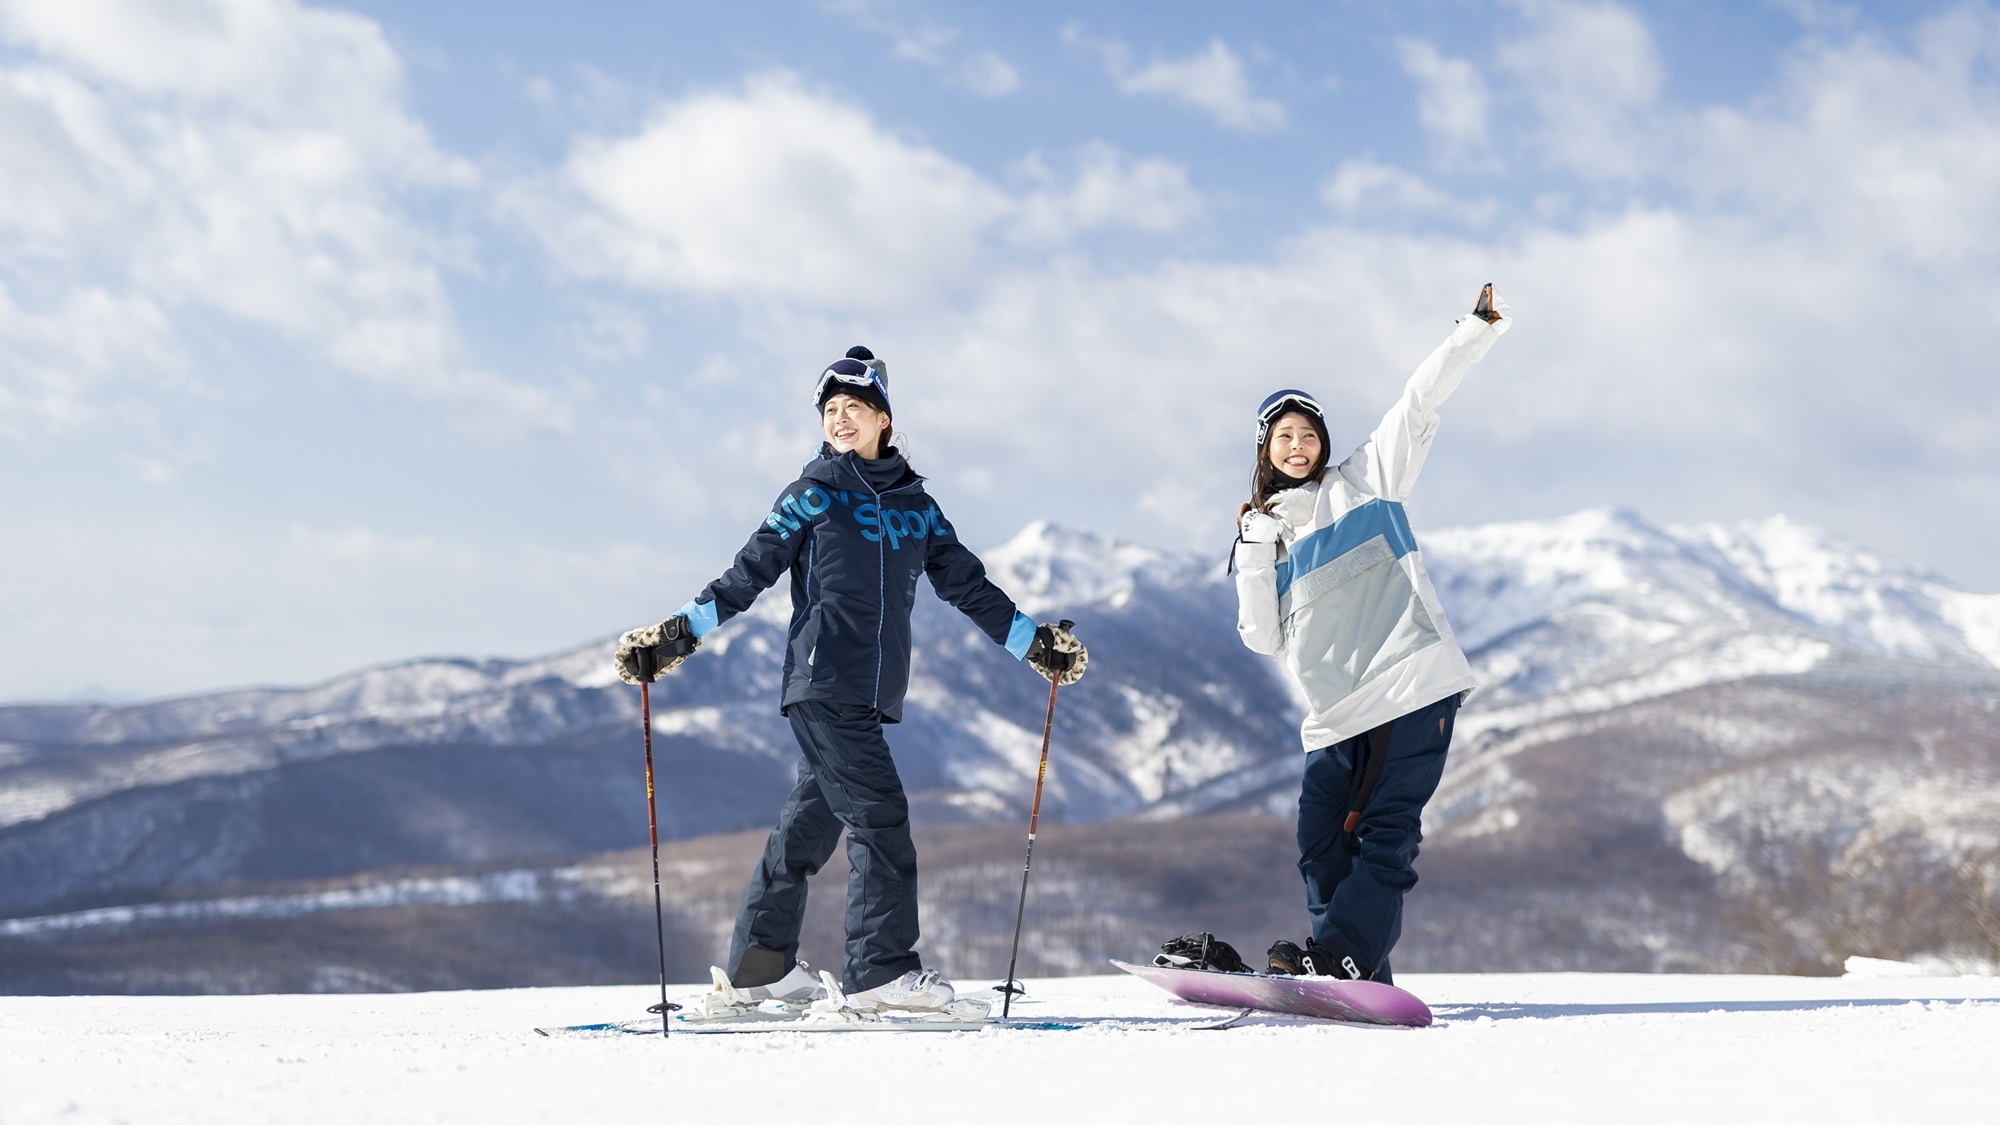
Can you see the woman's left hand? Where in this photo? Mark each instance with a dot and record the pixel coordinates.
(1057, 654)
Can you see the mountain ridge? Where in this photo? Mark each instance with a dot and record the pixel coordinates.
(1577, 627)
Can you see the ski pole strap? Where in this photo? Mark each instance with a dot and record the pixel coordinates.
(1374, 749)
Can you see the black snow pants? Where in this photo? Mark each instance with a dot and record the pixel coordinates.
(846, 780)
(1355, 882)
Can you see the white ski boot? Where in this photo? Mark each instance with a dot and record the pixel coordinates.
(786, 998)
(915, 998)
(798, 986)
(919, 990)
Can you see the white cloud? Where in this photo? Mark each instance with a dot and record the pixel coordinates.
(1105, 188)
(1451, 97)
(1212, 80)
(779, 192)
(771, 192)
(1897, 150)
(251, 158)
(1591, 70)
(53, 355)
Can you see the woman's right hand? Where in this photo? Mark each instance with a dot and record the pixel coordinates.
(1260, 527)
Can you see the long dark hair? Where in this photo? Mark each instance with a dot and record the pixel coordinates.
(1265, 479)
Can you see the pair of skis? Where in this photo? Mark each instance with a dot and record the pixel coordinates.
(725, 1009)
(648, 668)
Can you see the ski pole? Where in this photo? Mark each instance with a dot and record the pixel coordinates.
(1034, 816)
(649, 668)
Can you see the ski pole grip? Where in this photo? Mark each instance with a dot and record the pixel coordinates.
(648, 662)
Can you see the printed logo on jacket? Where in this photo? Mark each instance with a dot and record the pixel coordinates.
(795, 511)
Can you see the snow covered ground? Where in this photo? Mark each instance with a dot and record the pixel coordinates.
(1508, 1047)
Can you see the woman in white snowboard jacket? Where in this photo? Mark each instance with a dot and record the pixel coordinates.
(1330, 580)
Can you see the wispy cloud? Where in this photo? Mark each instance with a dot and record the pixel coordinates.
(1452, 98)
(1096, 187)
(915, 38)
(1366, 185)
(1212, 80)
(1590, 69)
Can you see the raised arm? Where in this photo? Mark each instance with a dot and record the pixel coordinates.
(1387, 464)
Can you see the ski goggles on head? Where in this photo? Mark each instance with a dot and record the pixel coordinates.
(853, 373)
(1281, 403)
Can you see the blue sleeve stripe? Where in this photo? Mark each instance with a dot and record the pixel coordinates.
(701, 615)
(1377, 517)
(1021, 634)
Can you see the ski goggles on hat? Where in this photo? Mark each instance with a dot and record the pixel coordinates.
(1279, 404)
(854, 373)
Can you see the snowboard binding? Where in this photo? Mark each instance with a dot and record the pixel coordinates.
(1200, 950)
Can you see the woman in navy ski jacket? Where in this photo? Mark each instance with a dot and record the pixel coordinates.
(855, 532)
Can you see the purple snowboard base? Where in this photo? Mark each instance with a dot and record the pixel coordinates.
(1356, 1001)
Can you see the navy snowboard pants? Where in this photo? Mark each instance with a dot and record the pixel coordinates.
(1355, 883)
(846, 781)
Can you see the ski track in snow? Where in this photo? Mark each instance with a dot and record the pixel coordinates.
(1508, 1047)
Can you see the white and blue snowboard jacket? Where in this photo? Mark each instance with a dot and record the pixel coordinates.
(856, 536)
(1343, 598)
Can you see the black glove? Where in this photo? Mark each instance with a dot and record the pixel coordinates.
(1492, 309)
(645, 654)
(1057, 654)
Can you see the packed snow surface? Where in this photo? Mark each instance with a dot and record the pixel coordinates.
(1507, 1047)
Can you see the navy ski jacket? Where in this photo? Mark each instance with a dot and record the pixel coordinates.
(855, 550)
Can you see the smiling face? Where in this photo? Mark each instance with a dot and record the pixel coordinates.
(1294, 446)
(853, 424)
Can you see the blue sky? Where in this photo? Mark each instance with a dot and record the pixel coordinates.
(336, 335)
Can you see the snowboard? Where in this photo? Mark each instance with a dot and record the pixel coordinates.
(1354, 1001)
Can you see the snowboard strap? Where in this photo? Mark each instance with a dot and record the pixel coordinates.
(1374, 748)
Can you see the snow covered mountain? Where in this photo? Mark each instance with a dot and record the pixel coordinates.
(1601, 608)
(1585, 630)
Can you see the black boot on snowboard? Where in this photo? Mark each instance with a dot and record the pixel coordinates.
(1315, 960)
(1284, 957)
(1200, 951)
